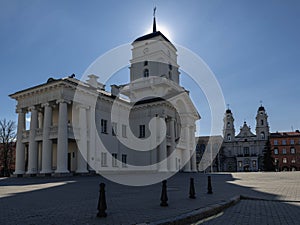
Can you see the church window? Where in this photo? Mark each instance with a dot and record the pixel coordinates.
(228, 137)
(103, 126)
(240, 164)
(103, 159)
(246, 150)
(114, 129)
(276, 151)
(146, 73)
(124, 131)
(142, 131)
(170, 66)
(284, 151)
(124, 160)
(146, 63)
(262, 135)
(228, 124)
(262, 122)
(114, 159)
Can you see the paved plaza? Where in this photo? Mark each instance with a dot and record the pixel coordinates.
(268, 198)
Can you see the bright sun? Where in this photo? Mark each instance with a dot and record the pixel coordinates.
(162, 29)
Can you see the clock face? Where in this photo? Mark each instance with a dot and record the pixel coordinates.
(146, 50)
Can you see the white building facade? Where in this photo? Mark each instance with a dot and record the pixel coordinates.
(79, 127)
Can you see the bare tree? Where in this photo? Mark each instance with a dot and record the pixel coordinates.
(7, 141)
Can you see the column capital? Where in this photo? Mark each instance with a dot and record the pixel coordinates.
(20, 110)
(81, 106)
(30, 108)
(63, 101)
(47, 104)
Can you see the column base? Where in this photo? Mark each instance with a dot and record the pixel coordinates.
(81, 171)
(19, 172)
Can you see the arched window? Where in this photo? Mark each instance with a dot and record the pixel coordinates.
(262, 135)
(228, 137)
(146, 73)
(262, 122)
(228, 124)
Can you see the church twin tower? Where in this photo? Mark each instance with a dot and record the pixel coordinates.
(262, 126)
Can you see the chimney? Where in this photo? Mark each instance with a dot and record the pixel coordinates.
(93, 82)
(115, 90)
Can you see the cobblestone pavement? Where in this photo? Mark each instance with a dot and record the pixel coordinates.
(249, 212)
(73, 200)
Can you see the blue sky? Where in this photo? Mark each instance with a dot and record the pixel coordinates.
(252, 47)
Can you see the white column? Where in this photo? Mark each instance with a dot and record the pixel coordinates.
(33, 145)
(47, 143)
(20, 148)
(186, 153)
(172, 157)
(193, 149)
(82, 145)
(162, 153)
(62, 139)
(92, 152)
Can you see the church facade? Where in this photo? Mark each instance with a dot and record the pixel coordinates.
(244, 152)
(78, 126)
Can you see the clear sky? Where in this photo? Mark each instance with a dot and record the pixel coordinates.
(253, 47)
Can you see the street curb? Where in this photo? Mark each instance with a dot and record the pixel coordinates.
(198, 214)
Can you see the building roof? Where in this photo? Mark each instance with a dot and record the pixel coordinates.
(285, 134)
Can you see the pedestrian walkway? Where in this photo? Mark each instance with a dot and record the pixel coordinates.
(73, 200)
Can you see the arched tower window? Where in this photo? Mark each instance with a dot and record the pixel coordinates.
(228, 124)
(262, 135)
(228, 137)
(146, 73)
(262, 122)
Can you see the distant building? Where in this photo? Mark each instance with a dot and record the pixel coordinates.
(212, 144)
(244, 152)
(285, 148)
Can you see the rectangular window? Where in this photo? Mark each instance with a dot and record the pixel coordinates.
(103, 126)
(275, 142)
(240, 164)
(124, 160)
(292, 142)
(246, 150)
(254, 163)
(293, 161)
(114, 159)
(293, 151)
(142, 131)
(103, 159)
(284, 160)
(283, 142)
(114, 128)
(276, 151)
(124, 131)
(284, 151)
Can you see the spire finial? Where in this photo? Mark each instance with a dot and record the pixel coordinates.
(154, 22)
(260, 102)
(227, 106)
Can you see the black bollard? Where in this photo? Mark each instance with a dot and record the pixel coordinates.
(209, 187)
(192, 189)
(102, 202)
(164, 196)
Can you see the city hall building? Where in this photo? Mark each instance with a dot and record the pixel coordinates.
(72, 127)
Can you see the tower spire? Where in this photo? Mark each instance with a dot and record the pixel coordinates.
(154, 22)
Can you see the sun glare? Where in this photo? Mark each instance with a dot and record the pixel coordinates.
(162, 29)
